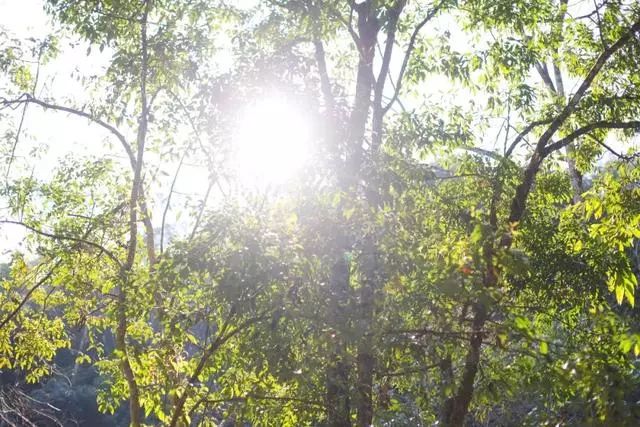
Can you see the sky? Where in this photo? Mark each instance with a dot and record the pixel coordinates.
(66, 135)
(22, 19)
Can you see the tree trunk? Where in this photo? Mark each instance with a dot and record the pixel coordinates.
(368, 28)
(82, 344)
(125, 275)
(365, 358)
(337, 397)
(337, 387)
(457, 408)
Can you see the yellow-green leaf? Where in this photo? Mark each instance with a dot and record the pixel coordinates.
(544, 347)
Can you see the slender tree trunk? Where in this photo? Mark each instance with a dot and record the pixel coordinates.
(365, 358)
(574, 174)
(337, 398)
(135, 410)
(570, 150)
(82, 344)
(337, 387)
(368, 29)
(126, 281)
(446, 382)
(458, 407)
(338, 394)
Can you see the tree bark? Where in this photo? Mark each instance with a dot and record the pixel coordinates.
(337, 375)
(125, 276)
(368, 29)
(365, 358)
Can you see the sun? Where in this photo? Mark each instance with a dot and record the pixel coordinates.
(271, 143)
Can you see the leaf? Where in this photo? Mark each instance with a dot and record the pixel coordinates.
(476, 234)
(624, 284)
(598, 212)
(619, 294)
(348, 213)
(502, 339)
(544, 347)
(521, 322)
(630, 284)
(577, 246)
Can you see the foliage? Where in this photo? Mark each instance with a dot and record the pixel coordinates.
(459, 255)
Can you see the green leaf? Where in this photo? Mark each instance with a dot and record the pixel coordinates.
(348, 213)
(577, 246)
(476, 234)
(619, 293)
(544, 347)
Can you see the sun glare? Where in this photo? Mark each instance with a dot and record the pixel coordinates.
(271, 142)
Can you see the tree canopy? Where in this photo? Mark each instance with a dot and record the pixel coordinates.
(321, 212)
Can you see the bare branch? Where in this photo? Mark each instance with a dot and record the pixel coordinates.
(623, 157)
(419, 370)
(201, 211)
(321, 60)
(524, 133)
(24, 114)
(171, 190)
(348, 24)
(265, 397)
(65, 237)
(544, 73)
(589, 128)
(27, 98)
(409, 51)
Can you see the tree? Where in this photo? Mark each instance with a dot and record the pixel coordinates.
(415, 274)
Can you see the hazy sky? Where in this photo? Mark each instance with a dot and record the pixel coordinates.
(23, 19)
(65, 134)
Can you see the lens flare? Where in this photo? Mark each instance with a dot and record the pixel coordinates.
(271, 142)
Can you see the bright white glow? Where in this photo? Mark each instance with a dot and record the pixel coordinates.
(271, 142)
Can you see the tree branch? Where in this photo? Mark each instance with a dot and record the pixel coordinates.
(321, 60)
(623, 157)
(586, 83)
(24, 114)
(524, 133)
(263, 397)
(221, 339)
(65, 237)
(589, 128)
(378, 88)
(27, 98)
(26, 297)
(544, 73)
(519, 201)
(407, 55)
